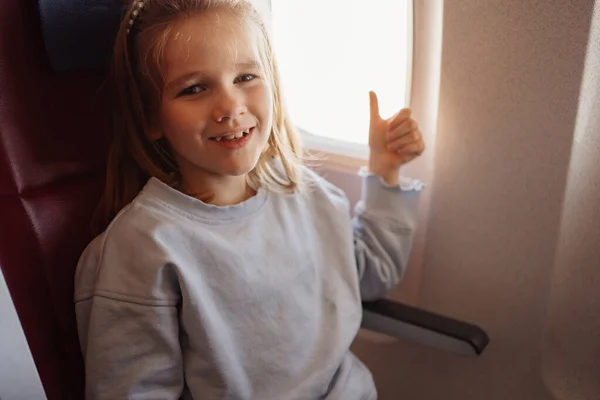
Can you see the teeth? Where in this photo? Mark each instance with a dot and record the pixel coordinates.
(237, 135)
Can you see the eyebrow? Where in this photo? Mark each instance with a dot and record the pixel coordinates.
(249, 65)
(179, 80)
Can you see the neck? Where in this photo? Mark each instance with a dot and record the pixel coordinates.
(218, 191)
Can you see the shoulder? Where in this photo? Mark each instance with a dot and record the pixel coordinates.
(323, 190)
(124, 260)
(312, 186)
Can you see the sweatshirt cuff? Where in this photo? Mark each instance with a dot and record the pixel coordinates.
(377, 195)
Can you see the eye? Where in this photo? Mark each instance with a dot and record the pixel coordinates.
(194, 89)
(245, 78)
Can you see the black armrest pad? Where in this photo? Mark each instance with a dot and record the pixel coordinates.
(471, 334)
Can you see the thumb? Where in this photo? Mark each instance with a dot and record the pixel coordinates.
(374, 106)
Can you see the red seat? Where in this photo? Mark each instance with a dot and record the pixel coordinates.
(53, 143)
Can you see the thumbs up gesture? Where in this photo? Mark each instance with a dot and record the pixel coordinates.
(393, 142)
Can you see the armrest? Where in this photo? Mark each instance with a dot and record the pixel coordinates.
(424, 327)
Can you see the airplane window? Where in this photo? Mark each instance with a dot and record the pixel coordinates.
(331, 53)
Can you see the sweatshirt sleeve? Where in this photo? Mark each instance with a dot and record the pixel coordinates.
(383, 228)
(131, 350)
(129, 339)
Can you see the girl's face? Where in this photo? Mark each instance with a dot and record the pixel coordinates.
(217, 109)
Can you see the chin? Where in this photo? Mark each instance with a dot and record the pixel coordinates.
(238, 169)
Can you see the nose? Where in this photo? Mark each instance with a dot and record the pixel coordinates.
(228, 106)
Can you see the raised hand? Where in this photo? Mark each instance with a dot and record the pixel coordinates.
(393, 142)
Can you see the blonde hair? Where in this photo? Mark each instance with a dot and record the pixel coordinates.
(137, 82)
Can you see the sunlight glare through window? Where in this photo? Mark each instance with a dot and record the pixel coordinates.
(332, 52)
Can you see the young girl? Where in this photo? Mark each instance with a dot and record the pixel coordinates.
(224, 268)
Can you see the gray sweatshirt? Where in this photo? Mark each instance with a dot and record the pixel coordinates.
(179, 299)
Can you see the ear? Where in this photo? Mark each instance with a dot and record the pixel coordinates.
(155, 134)
(155, 131)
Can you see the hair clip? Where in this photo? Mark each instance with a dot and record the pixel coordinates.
(137, 9)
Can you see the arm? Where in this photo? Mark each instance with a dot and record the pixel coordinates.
(385, 216)
(126, 303)
(131, 349)
(383, 233)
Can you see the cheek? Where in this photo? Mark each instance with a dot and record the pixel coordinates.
(182, 119)
(263, 104)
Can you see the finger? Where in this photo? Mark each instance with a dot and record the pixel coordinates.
(400, 117)
(374, 106)
(408, 138)
(408, 158)
(415, 148)
(402, 129)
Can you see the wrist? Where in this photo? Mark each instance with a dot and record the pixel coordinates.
(389, 174)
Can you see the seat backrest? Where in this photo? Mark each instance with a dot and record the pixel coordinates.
(53, 143)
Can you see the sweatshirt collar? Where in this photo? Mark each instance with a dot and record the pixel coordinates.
(192, 206)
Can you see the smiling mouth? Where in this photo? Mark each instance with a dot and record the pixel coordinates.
(233, 137)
